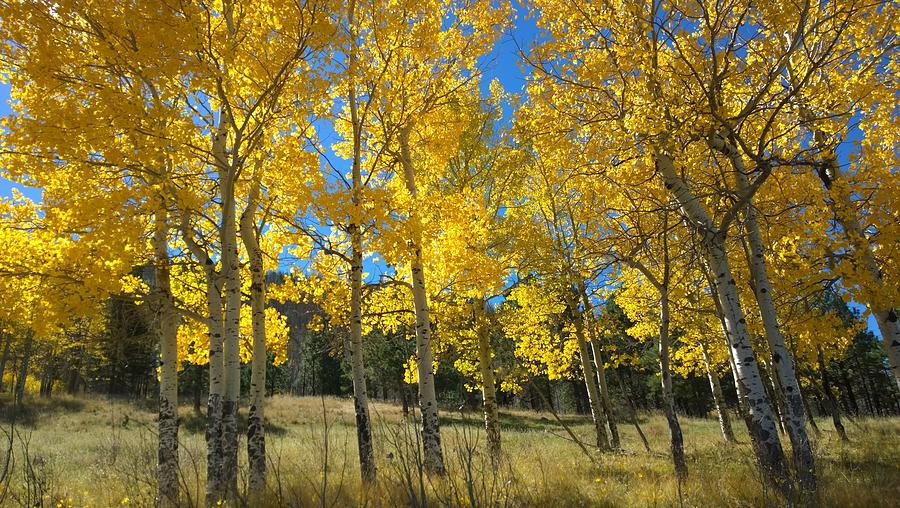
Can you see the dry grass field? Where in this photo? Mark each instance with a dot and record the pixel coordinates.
(96, 452)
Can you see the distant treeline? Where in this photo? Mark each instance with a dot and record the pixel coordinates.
(118, 357)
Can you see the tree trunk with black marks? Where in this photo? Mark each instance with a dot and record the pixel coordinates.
(597, 350)
(357, 366)
(743, 405)
(784, 374)
(761, 424)
(590, 379)
(228, 162)
(231, 343)
(718, 399)
(215, 486)
(675, 435)
(431, 433)
(167, 331)
(488, 388)
(256, 432)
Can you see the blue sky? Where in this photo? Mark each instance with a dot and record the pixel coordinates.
(6, 185)
(502, 64)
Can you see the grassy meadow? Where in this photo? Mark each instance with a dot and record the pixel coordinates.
(96, 452)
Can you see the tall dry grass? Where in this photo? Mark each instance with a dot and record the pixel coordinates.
(96, 452)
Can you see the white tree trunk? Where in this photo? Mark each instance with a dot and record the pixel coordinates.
(781, 357)
(590, 379)
(227, 163)
(431, 434)
(167, 330)
(743, 407)
(232, 359)
(597, 351)
(364, 443)
(214, 458)
(360, 390)
(256, 434)
(488, 388)
(214, 486)
(761, 424)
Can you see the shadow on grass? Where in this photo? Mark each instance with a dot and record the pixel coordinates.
(869, 467)
(194, 423)
(520, 421)
(33, 409)
(512, 421)
(37, 409)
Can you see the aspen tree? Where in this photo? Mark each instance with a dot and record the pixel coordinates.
(430, 53)
(488, 388)
(470, 236)
(117, 121)
(256, 440)
(558, 217)
(662, 283)
(863, 95)
(215, 359)
(168, 364)
(360, 390)
(247, 112)
(783, 364)
(663, 78)
(597, 353)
